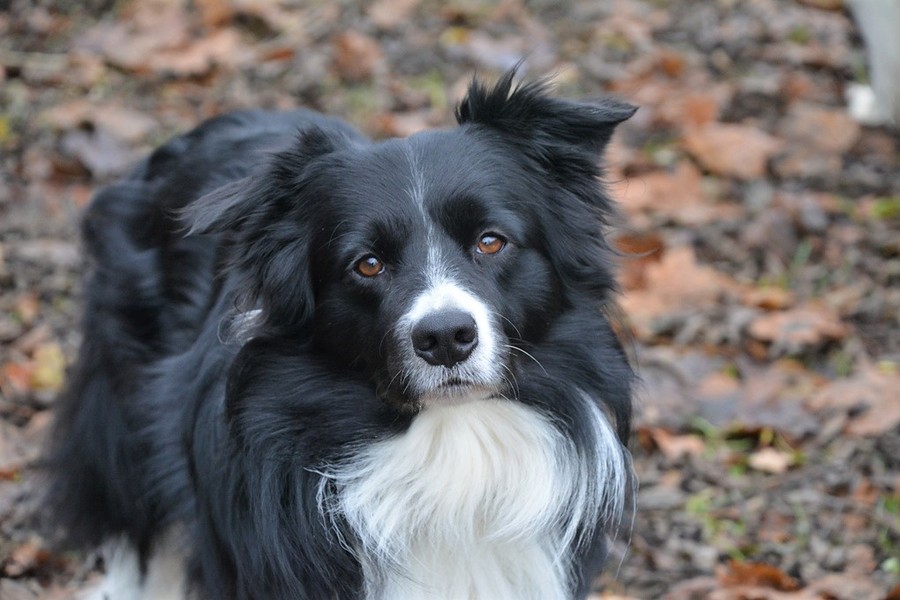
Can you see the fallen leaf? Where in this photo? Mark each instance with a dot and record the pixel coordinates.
(357, 56)
(215, 13)
(674, 447)
(639, 249)
(131, 43)
(676, 194)
(674, 287)
(221, 49)
(871, 397)
(770, 460)
(774, 398)
(49, 371)
(388, 14)
(99, 152)
(768, 297)
(824, 130)
(797, 329)
(15, 377)
(739, 151)
(122, 122)
(757, 574)
(842, 586)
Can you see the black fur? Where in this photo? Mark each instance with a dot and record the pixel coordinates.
(178, 412)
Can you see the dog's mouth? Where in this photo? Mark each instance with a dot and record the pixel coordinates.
(456, 390)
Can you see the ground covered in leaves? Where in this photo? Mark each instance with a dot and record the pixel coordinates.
(760, 234)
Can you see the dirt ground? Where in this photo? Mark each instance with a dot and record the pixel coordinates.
(760, 234)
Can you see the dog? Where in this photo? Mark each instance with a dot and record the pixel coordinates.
(319, 366)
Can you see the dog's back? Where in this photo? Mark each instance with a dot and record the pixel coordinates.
(150, 289)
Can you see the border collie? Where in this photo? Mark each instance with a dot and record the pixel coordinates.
(318, 366)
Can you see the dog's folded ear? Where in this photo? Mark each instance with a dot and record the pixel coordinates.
(262, 217)
(235, 204)
(562, 135)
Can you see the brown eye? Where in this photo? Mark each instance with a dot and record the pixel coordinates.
(490, 243)
(369, 266)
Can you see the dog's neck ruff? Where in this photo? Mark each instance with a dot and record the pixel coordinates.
(475, 500)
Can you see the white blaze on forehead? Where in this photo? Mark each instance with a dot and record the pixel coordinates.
(416, 192)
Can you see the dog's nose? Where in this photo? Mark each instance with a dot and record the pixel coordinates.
(445, 338)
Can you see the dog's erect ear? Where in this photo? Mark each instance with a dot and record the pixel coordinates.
(565, 141)
(264, 218)
(560, 134)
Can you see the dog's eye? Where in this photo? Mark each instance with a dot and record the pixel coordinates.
(369, 266)
(490, 243)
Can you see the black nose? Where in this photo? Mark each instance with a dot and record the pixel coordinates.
(445, 338)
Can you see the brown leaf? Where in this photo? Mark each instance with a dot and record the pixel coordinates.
(99, 152)
(674, 447)
(768, 298)
(799, 328)
(757, 574)
(639, 250)
(215, 13)
(678, 195)
(221, 49)
(357, 56)
(15, 377)
(675, 286)
(388, 14)
(132, 42)
(842, 586)
(871, 396)
(122, 122)
(739, 151)
(821, 129)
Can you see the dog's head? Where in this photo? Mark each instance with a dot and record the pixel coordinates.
(428, 263)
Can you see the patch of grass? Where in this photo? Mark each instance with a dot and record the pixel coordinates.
(886, 208)
(800, 35)
(433, 84)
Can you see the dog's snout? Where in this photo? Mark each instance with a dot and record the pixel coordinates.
(445, 338)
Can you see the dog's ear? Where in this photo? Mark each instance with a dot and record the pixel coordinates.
(564, 141)
(264, 218)
(232, 206)
(567, 138)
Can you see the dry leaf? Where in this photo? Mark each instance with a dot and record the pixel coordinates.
(49, 368)
(15, 377)
(799, 328)
(757, 574)
(677, 194)
(675, 286)
(871, 396)
(770, 460)
(674, 447)
(221, 49)
(738, 151)
(357, 56)
(769, 298)
(388, 14)
(825, 130)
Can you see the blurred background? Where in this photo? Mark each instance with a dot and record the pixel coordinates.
(760, 233)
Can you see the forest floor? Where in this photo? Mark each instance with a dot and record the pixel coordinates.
(760, 227)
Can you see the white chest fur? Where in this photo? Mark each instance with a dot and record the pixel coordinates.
(475, 500)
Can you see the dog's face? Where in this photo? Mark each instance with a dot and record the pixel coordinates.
(430, 263)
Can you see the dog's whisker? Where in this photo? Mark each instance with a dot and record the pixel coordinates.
(536, 361)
